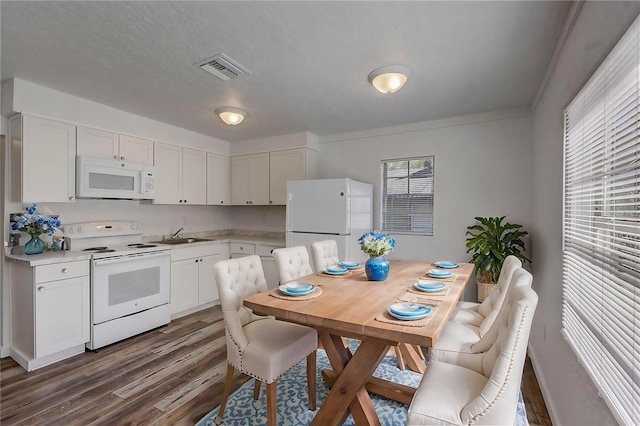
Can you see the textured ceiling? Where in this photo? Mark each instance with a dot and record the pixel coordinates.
(309, 60)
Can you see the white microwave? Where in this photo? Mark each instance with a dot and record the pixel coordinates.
(106, 178)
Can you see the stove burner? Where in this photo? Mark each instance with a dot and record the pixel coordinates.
(105, 250)
(140, 245)
(95, 248)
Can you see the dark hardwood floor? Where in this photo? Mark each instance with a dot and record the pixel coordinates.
(172, 375)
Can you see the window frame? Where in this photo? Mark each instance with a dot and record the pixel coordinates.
(429, 203)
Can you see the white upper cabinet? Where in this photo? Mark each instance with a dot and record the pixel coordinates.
(194, 176)
(250, 179)
(180, 175)
(218, 179)
(104, 144)
(290, 164)
(43, 163)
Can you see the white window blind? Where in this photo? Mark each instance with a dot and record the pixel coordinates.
(407, 196)
(601, 235)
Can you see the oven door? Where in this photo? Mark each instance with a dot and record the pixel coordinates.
(125, 285)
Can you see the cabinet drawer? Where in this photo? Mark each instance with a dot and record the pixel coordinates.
(265, 250)
(243, 248)
(61, 271)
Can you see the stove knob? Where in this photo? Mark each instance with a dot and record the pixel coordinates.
(138, 227)
(80, 231)
(132, 227)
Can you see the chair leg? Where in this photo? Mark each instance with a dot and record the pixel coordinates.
(271, 404)
(399, 356)
(311, 379)
(256, 389)
(228, 381)
(420, 353)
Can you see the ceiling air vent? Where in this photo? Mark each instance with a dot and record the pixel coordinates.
(223, 67)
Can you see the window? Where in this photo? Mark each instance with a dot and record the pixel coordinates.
(601, 228)
(407, 196)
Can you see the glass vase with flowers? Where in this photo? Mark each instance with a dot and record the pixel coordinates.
(35, 224)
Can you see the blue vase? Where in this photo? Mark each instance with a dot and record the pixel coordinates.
(34, 246)
(377, 268)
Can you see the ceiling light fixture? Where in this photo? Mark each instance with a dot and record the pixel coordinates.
(389, 79)
(231, 116)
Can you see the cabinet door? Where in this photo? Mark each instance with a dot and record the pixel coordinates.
(136, 150)
(218, 179)
(207, 289)
(284, 166)
(240, 179)
(48, 161)
(168, 179)
(259, 178)
(194, 176)
(62, 315)
(97, 143)
(184, 285)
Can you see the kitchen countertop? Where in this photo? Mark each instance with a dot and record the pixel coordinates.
(49, 257)
(256, 237)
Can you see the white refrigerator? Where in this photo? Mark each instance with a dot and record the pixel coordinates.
(329, 209)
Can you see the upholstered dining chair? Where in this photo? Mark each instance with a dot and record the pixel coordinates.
(261, 347)
(476, 313)
(484, 389)
(324, 253)
(459, 340)
(292, 263)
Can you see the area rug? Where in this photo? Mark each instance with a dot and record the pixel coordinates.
(293, 405)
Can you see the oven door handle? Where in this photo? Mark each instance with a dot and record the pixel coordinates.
(129, 258)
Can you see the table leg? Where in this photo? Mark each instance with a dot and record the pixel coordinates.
(348, 392)
(412, 357)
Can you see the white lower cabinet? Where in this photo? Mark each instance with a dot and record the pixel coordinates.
(192, 282)
(49, 312)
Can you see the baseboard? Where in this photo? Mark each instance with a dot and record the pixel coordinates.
(548, 401)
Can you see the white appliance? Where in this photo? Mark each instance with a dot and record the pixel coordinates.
(107, 178)
(329, 209)
(130, 281)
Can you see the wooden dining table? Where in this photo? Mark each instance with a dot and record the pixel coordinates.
(352, 306)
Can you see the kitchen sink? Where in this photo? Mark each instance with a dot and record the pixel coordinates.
(175, 241)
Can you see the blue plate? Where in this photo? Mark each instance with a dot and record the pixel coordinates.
(446, 264)
(298, 287)
(350, 265)
(335, 271)
(439, 273)
(408, 310)
(285, 290)
(425, 313)
(429, 289)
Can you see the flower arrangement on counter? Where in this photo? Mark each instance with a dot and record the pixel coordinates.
(34, 223)
(376, 243)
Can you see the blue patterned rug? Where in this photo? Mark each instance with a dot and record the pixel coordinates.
(293, 405)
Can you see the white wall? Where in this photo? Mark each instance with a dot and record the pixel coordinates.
(568, 392)
(482, 168)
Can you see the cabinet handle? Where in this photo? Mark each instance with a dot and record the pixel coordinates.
(270, 202)
(72, 198)
(196, 260)
(122, 158)
(41, 288)
(64, 270)
(221, 202)
(185, 201)
(115, 157)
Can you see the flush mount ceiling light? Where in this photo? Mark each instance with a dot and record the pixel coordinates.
(389, 79)
(231, 116)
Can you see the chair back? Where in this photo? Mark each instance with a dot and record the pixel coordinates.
(292, 263)
(236, 280)
(324, 253)
(491, 305)
(503, 363)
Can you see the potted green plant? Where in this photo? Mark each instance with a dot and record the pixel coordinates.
(491, 241)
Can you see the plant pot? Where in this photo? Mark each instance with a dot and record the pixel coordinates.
(377, 268)
(484, 288)
(34, 246)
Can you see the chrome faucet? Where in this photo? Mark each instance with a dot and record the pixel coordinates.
(177, 232)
